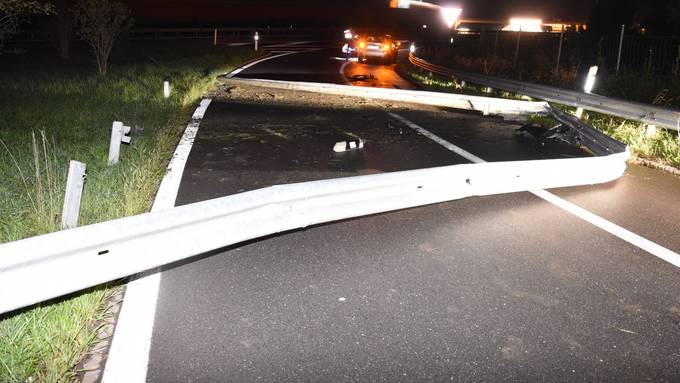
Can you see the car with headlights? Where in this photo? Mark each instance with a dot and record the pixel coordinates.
(377, 48)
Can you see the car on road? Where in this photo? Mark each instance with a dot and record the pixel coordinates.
(377, 48)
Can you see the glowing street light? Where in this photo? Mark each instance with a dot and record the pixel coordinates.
(451, 15)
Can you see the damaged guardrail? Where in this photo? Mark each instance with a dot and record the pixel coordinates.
(649, 114)
(49, 266)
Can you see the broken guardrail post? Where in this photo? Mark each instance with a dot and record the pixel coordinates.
(73, 195)
(119, 134)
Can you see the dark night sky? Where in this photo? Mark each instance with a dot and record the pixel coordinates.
(355, 12)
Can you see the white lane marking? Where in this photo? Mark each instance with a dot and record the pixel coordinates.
(610, 227)
(342, 71)
(239, 44)
(241, 69)
(285, 45)
(129, 354)
(460, 151)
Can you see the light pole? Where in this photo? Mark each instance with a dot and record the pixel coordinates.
(451, 15)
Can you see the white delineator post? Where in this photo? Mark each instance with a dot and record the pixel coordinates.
(73, 195)
(118, 135)
(588, 87)
(215, 37)
(257, 40)
(166, 88)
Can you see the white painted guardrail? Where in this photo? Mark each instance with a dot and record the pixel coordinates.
(52, 265)
(485, 105)
(649, 114)
(49, 266)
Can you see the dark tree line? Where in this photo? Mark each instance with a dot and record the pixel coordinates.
(657, 17)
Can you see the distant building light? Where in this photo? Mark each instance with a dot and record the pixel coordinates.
(424, 26)
(524, 25)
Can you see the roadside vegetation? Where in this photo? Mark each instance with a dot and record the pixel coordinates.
(55, 111)
(662, 148)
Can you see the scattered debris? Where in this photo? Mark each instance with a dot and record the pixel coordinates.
(344, 146)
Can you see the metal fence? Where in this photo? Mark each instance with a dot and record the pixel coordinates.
(639, 54)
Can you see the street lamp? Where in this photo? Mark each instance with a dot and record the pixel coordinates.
(451, 15)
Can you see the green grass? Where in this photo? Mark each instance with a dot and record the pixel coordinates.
(54, 112)
(663, 147)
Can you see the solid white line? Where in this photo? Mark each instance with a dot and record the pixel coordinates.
(129, 354)
(610, 227)
(241, 69)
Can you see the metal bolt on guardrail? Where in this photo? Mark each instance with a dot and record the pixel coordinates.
(73, 195)
(119, 134)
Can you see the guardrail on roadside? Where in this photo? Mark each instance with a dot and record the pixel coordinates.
(649, 114)
(37, 269)
(202, 33)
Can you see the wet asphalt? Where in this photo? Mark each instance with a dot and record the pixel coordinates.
(498, 288)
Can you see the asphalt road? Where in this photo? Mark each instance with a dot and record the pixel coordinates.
(499, 288)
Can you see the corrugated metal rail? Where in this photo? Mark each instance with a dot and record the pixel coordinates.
(649, 114)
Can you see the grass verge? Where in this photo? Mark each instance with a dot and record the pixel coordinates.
(54, 112)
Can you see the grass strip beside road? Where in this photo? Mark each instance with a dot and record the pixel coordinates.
(54, 112)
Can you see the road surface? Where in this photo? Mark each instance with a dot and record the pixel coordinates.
(499, 288)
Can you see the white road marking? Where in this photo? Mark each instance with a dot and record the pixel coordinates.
(129, 354)
(285, 45)
(342, 71)
(612, 228)
(241, 69)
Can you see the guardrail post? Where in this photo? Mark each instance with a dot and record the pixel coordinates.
(73, 195)
(618, 60)
(119, 134)
(651, 131)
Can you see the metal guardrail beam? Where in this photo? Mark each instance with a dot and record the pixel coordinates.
(649, 114)
(41, 268)
(52, 265)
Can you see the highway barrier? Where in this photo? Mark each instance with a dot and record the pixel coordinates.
(649, 114)
(38, 269)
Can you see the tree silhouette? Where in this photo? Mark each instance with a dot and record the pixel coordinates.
(99, 23)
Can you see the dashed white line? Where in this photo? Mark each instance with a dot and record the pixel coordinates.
(610, 227)
(129, 354)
